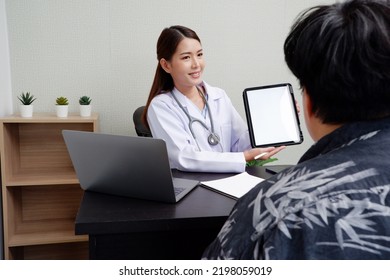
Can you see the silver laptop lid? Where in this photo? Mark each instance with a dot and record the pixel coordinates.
(121, 165)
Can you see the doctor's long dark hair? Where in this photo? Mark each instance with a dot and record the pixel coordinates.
(166, 46)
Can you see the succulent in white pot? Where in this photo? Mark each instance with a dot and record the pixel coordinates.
(26, 108)
(85, 106)
(62, 104)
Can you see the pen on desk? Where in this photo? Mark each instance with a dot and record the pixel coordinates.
(260, 155)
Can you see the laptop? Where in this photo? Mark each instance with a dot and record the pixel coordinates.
(136, 167)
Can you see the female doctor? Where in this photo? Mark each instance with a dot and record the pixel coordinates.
(198, 122)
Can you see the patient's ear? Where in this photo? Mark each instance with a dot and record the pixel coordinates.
(307, 104)
(165, 65)
(314, 124)
(310, 120)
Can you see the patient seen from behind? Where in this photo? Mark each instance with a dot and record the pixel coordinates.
(335, 203)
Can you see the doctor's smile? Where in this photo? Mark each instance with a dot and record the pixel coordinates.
(195, 75)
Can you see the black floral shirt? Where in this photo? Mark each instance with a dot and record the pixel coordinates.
(334, 204)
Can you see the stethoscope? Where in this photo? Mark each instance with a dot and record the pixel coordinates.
(213, 138)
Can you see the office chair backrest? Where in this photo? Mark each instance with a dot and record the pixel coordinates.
(139, 126)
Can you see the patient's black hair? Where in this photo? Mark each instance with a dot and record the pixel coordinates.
(340, 54)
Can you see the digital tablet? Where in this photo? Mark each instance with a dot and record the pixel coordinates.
(272, 116)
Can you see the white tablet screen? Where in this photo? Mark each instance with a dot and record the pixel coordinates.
(272, 116)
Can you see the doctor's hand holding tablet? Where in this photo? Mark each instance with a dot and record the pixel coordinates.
(202, 129)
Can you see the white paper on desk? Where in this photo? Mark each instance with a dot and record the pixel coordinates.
(235, 186)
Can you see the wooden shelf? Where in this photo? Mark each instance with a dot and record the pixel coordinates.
(59, 251)
(40, 190)
(52, 118)
(46, 238)
(39, 179)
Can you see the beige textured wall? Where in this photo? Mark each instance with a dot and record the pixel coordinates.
(106, 49)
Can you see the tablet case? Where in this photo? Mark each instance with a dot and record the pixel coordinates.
(273, 127)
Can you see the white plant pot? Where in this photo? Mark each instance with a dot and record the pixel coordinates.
(62, 111)
(26, 111)
(85, 110)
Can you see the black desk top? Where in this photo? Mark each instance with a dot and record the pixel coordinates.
(105, 214)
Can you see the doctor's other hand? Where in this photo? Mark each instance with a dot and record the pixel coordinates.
(262, 153)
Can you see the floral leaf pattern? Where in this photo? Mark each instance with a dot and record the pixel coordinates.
(333, 205)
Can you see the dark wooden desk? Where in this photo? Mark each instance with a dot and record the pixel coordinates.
(126, 228)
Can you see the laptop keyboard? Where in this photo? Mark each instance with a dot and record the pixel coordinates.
(178, 190)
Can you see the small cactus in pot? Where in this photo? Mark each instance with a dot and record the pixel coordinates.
(62, 107)
(26, 107)
(85, 106)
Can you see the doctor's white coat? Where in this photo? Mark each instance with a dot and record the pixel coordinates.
(167, 121)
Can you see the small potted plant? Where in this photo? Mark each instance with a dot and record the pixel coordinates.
(26, 108)
(62, 107)
(85, 106)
